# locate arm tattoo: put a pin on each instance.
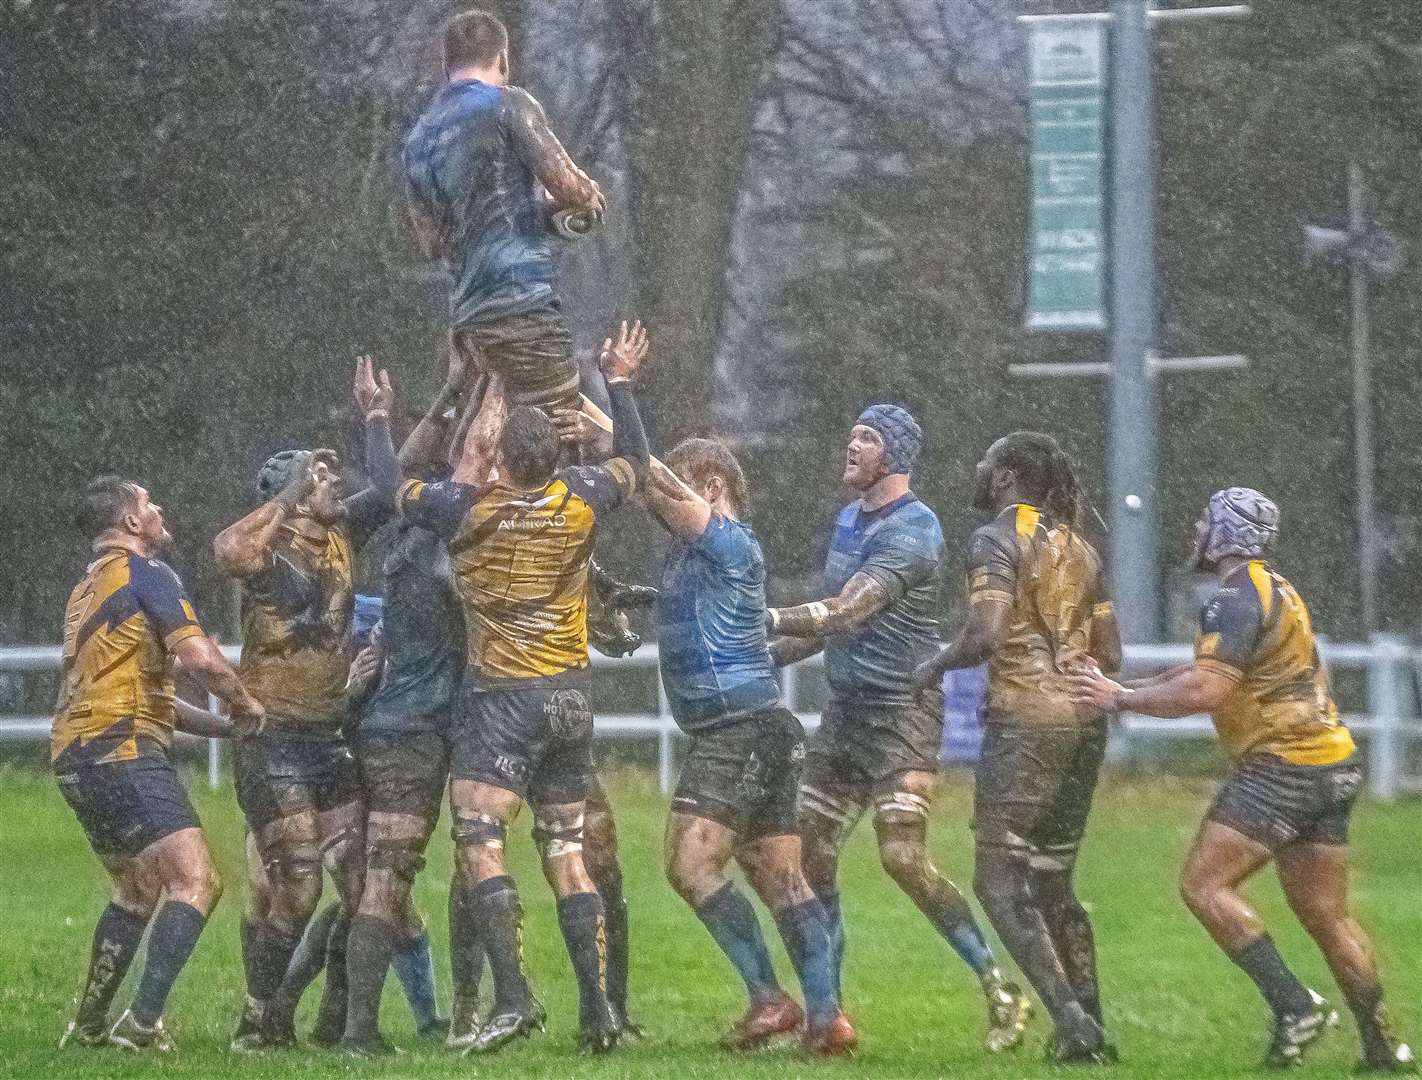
(862, 598)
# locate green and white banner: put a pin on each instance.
(1067, 74)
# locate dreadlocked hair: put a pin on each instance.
(1045, 474)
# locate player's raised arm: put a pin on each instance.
(481, 441)
(535, 143)
(242, 549)
(373, 504)
(426, 445)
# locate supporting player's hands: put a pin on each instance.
(249, 718)
(363, 671)
(622, 358)
(928, 674)
(374, 398)
(576, 428)
(1090, 687)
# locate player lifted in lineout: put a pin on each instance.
(1289, 793)
(879, 740)
(1037, 606)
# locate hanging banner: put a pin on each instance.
(1067, 73)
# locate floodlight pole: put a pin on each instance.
(1131, 514)
(1358, 280)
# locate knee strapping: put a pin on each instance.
(478, 830)
(403, 858)
(555, 838)
(843, 813)
(900, 807)
(293, 864)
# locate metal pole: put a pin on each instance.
(1135, 573)
(214, 751)
(1368, 555)
(1385, 746)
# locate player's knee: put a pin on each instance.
(600, 845)
(137, 894)
(1197, 893)
(692, 878)
(198, 885)
(996, 882)
(904, 860)
(401, 857)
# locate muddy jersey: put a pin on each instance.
(901, 546)
(1052, 580)
(120, 624)
(1256, 632)
(473, 164)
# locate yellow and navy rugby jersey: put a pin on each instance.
(1053, 581)
(119, 625)
(1256, 631)
(296, 628)
(520, 561)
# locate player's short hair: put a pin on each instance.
(529, 444)
(106, 500)
(474, 38)
(701, 459)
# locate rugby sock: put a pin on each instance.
(310, 957)
(1374, 1023)
(116, 938)
(614, 906)
(1006, 893)
(580, 917)
(834, 920)
(498, 920)
(728, 915)
(271, 951)
(331, 1015)
(956, 923)
(804, 928)
(466, 951)
(176, 929)
(1281, 988)
(1071, 932)
(414, 967)
(368, 949)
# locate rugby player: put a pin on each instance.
(296, 783)
(488, 187)
(519, 546)
(401, 742)
(1289, 792)
(125, 622)
(736, 795)
(1037, 606)
(879, 740)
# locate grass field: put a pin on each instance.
(1173, 1004)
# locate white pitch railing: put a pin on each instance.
(1391, 721)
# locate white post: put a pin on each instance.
(1384, 703)
(214, 751)
(664, 738)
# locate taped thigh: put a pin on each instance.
(556, 837)
(403, 856)
(840, 811)
(478, 830)
(337, 847)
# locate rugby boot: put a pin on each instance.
(330, 1025)
(247, 1039)
(129, 1034)
(278, 1030)
(85, 1034)
(762, 1021)
(504, 1027)
(1397, 1059)
(835, 1039)
(1295, 1032)
(1080, 1040)
(373, 1046)
(463, 1024)
(630, 1028)
(1009, 1010)
(599, 1033)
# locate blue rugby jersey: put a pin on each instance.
(715, 662)
(467, 167)
(901, 546)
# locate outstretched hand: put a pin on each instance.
(372, 397)
(1090, 687)
(622, 358)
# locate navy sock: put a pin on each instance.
(414, 967)
(116, 939)
(270, 956)
(368, 948)
(805, 930)
(614, 907)
(498, 919)
(466, 951)
(176, 929)
(1280, 986)
(309, 958)
(728, 915)
(580, 917)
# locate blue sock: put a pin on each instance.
(834, 920)
(968, 942)
(414, 967)
(806, 932)
(731, 920)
